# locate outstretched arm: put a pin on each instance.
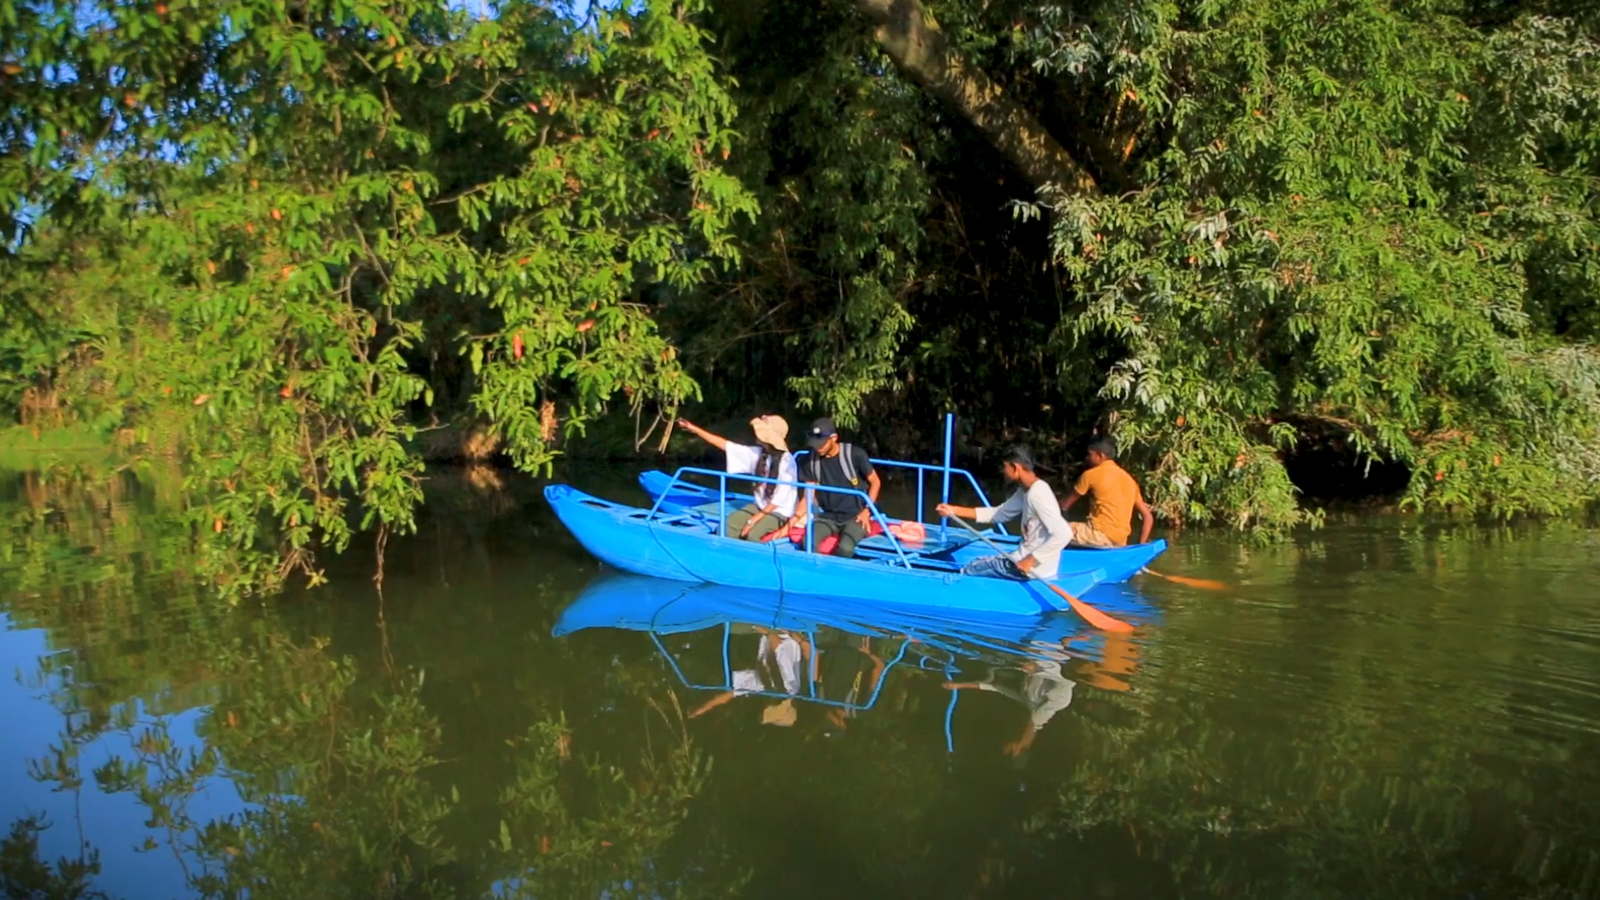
(1072, 498)
(713, 703)
(984, 515)
(717, 441)
(1023, 741)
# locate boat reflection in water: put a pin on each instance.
(837, 655)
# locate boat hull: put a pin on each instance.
(1118, 563)
(686, 548)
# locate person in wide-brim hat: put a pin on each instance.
(769, 458)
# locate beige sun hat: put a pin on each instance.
(780, 714)
(771, 430)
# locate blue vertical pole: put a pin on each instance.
(922, 493)
(944, 495)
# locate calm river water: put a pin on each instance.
(1378, 709)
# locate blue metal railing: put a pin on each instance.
(922, 470)
(810, 544)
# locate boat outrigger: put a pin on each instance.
(683, 541)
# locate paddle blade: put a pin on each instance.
(1204, 584)
(1094, 617)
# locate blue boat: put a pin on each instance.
(681, 538)
(681, 497)
(887, 572)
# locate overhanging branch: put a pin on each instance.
(911, 37)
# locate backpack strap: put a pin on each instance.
(845, 452)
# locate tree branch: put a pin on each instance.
(911, 37)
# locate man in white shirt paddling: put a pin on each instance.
(1044, 531)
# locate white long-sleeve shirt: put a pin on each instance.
(742, 460)
(1044, 533)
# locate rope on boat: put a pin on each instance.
(650, 525)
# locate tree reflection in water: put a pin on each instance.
(337, 763)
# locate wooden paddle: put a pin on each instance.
(1094, 617)
(1204, 584)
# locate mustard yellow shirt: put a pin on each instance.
(1112, 493)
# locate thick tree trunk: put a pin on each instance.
(908, 33)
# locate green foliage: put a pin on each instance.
(277, 225)
(1336, 233)
(1354, 217)
(843, 195)
(288, 239)
(25, 876)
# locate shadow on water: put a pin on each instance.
(1379, 709)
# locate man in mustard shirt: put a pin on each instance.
(1113, 497)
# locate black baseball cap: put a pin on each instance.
(821, 430)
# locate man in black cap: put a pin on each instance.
(834, 464)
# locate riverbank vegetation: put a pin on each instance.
(288, 241)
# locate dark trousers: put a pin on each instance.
(849, 531)
(765, 523)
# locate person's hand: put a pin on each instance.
(863, 517)
(1026, 564)
(745, 531)
(1014, 748)
(685, 424)
(946, 510)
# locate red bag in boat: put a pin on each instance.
(908, 532)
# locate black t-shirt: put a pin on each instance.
(830, 471)
(844, 667)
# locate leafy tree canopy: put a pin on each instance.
(288, 236)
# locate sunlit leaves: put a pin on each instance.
(289, 209)
(1340, 234)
